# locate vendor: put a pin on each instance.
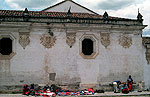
(130, 82)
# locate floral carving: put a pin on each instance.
(71, 39)
(125, 41)
(24, 39)
(105, 39)
(47, 40)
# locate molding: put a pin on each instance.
(95, 44)
(8, 57)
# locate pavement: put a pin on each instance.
(106, 94)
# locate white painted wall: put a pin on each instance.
(112, 63)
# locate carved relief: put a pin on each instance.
(146, 43)
(105, 39)
(47, 40)
(147, 53)
(125, 41)
(145, 40)
(71, 39)
(24, 39)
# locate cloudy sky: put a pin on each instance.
(119, 8)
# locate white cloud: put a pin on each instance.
(131, 11)
(121, 8)
(34, 4)
(146, 35)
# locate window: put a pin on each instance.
(88, 46)
(5, 46)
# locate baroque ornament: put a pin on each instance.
(146, 42)
(47, 40)
(125, 41)
(147, 53)
(24, 39)
(105, 39)
(71, 39)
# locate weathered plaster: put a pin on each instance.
(35, 63)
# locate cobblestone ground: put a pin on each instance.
(111, 94)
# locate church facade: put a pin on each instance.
(68, 44)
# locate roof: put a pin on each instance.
(69, 6)
(62, 17)
(48, 14)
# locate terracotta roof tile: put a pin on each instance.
(53, 14)
(47, 14)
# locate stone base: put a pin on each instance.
(11, 89)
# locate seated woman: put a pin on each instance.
(124, 89)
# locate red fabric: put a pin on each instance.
(67, 93)
(44, 95)
(125, 91)
(91, 90)
(53, 95)
(130, 86)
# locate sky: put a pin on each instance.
(118, 8)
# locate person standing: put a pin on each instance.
(129, 83)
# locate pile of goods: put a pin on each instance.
(53, 90)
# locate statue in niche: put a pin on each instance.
(105, 39)
(71, 39)
(125, 41)
(24, 39)
(48, 40)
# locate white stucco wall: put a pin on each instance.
(33, 64)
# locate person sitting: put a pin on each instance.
(124, 88)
